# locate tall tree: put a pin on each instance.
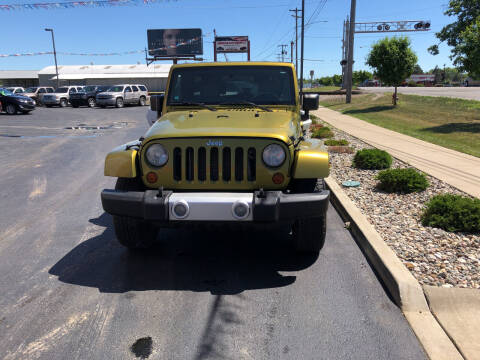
(463, 35)
(417, 69)
(393, 61)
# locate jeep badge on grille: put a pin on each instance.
(214, 143)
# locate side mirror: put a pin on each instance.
(156, 103)
(310, 102)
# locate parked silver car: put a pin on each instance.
(120, 95)
(61, 96)
(37, 92)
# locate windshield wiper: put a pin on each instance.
(186, 103)
(247, 103)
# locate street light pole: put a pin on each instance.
(54, 54)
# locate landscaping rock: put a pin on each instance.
(434, 256)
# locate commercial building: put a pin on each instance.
(153, 76)
(23, 78)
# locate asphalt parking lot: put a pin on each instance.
(469, 93)
(69, 291)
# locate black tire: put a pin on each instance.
(309, 233)
(142, 101)
(119, 103)
(10, 109)
(91, 102)
(63, 102)
(133, 233)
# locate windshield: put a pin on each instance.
(264, 85)
(62, 90)
(5, 92)
(116, 89)
(31, 90)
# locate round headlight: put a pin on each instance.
(273, 155)
(156, 155)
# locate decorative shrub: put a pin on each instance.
(372, 159)
(322, 133)
(314, 119)
(402, 181)
(453, 213)
(333, 142)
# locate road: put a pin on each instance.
(69, 291)
(470, 93)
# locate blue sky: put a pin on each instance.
(268, 23)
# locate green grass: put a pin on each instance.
(323, 89)
(451, 123)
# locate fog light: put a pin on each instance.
(152, 177)
(180, 209)
(278, 178)
(240, 210)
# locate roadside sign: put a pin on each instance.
(231, 44)
(174, 42)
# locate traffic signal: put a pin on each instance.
(422, 25)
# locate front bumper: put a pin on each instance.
(81, 101)
(106, 101)
(49, 101)
(26, 107)
(264, 207)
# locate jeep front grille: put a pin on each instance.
(208, 166)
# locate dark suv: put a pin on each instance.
(87, 96)
(12, 103)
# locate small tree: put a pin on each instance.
(393, 61)
(360, 76)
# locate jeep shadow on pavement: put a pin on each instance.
(221, 262)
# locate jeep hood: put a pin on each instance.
(279, 124)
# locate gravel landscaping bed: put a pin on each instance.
(433, 256)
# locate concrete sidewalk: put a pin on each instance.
(455, 168)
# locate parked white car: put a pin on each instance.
(61, 96)
(120, 95)
(16, 90)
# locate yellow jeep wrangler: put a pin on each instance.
(228, 145)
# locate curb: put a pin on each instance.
(403, 287)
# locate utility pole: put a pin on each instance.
(54, 54)
(291, 52)
(283, 52)
(303, 46)
(344, 52)
(351, 39)
(296, 38)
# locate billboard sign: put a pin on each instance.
(174, 42)
(231, 44)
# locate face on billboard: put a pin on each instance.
(175, 42)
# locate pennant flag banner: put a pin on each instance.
(101, 54)
(76, 4)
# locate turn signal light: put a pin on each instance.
(152, 177)
(278, 178)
